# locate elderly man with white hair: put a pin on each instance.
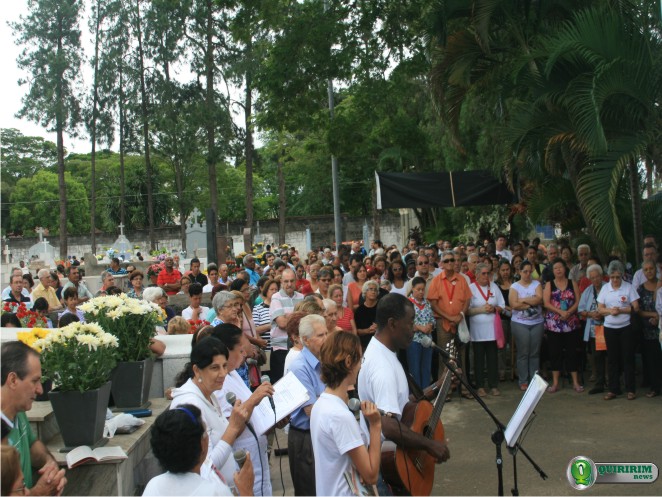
(306, 367)
(45, 290)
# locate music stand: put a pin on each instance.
(522, 419)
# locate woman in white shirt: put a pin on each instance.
(337, 442)
(203, 375)
(486, 302)
(237, 343)
(616, 301)
(180, 442)
(526, 324)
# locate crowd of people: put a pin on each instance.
(356, 323)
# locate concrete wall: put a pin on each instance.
(321, 227)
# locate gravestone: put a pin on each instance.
(196, 234)
(43, 250)
(122, 245)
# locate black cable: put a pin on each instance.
(259, 455)
(280, 459)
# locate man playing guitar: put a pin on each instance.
(383, 381)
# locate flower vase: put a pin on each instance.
(131, 383)
(81, 415)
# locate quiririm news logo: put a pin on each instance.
(583, 473)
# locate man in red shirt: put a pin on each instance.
(169, 278)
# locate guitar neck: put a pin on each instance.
(439, 402)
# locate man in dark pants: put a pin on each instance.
(306, 367)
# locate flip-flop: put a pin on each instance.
(579, 389)
(552, 389)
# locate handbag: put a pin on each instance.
(498, 331)
(463, 330)
(600, 342)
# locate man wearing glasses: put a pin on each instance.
(422, 270)
(449, 296)
(21, 383)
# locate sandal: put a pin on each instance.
(652, 394)
(467, 395)
(631, 396)
(523, 387)
(610, 396)
(482, 392)
(579, 389)
(553, 389)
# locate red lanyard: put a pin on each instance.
(450, 292)
(486, 297)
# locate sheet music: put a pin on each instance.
(289, 395)
(524, 410)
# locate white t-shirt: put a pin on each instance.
(530, 316)
(639, 279)
(208, 288)
(334, 432)
(219, 453)
(188, 312)
(402, 291)
(289, 358)
(382, 381)
(482, 325)
(234, 383)
(184, 484)
(623, 296)
(505, 253)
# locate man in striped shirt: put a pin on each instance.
(282, 304)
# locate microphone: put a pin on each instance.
(251, 362)
(240, 457)
(265, 379)
(355, 406)
(231, 398)
(427, 343)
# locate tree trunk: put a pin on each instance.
(281, 202)
(649, 177)
(59, 127)
(121, 107)
(93, 133)
(143, 107)
(209, 97)
(248, 238)
(635, 195)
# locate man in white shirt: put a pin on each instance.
(7, 291)
(212, 274)
(650, 255)
(502, 248)
(382, 379)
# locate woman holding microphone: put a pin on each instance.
(335, 433)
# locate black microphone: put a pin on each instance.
(355, 406)
(231, 398)
(240, 457)
(427, 343)
(265, 379)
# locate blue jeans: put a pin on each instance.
(419, 360)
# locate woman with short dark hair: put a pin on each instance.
(180, 442)
(136, 280)
(202, 376)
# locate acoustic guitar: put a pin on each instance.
(411, 471)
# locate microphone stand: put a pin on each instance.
(498, 436)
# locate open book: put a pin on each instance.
(521, 416)
(83, 454)
(289, 395)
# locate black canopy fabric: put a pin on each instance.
(445, 189)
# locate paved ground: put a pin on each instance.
(567, 425)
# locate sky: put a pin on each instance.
(11, 93)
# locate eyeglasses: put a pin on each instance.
(421, 263)
(448, 261)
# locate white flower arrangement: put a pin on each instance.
(132, 321)
(79, 356)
